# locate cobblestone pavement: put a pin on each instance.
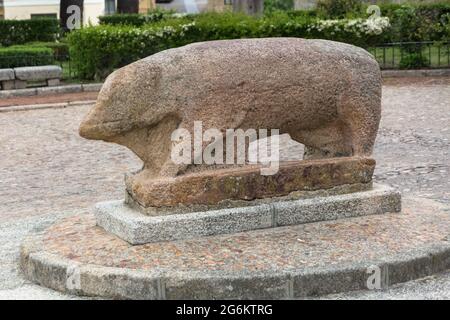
(47, 172)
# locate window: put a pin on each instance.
(110, 6)
(43, 15)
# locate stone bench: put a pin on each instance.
(17, 78)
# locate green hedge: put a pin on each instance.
(60, 49)
(410, 22)
(96, 51)
(136, 20)
(418, 22)
(24, 56)
(14, 32)
(277, 5)
(339, 8)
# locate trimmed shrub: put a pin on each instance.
(277, 5)
(413, 60)
(340, 8)
(24, 56)
(60, 49)
(22, 31)
(419, 23)
(135, 19)
(97, 51)
(131, 19)
(361, 32)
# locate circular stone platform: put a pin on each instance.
(77, 257)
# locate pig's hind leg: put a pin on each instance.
(329, 141)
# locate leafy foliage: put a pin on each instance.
(97, 51)
(22, 31)
(21, 56)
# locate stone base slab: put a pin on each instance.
(210, 187)
(77, 257)
(131, 225)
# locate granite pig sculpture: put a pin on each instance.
(324, 94)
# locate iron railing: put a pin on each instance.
(399, 55)
(412, 55)
(69, 71)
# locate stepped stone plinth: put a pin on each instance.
(78, 257)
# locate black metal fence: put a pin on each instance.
(69, 71)
(400, 55)
(412, 55)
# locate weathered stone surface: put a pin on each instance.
(380, 200)
(325, 94)
(136, 228)
(6, 74)
(38, 73)
(246, 183)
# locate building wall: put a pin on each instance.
(23, 9)
(24, 12)
(217, 6)
(92, 11)
(304, 4)
(2, 12)
(145, 5)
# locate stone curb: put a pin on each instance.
(94, 87)
(71, 88)
(46, 106)
(415, 73)
(121, 283)
(136, 228)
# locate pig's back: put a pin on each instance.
(252, 81)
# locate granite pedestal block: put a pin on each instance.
(118, 218)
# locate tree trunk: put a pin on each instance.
(128, 6)
(67, 18)
(250, 7)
